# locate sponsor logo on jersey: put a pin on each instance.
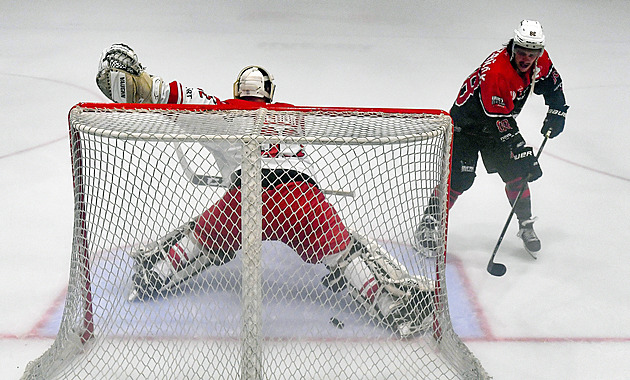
(506, 137)
(468, 169)
(498, 101)
(485, 66)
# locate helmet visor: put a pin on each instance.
(525, 52)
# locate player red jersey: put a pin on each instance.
(494, 94)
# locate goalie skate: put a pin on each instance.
(426, 237)
(155, 275)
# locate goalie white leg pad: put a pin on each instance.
(157, 270)
(383, 286)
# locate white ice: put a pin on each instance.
(563, 316)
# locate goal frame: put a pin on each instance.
(251, 362)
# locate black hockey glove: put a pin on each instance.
(525, 163)
(554, 122)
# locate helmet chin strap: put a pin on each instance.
(535, 71)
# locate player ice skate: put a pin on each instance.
(529, 237)
(484, 115)
(381, 285)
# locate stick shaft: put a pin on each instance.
(520, 193)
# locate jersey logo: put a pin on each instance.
(283, 125)
(503, 125)
(202, 95)
(555, 76)
(498, 101)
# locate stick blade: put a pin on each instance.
(496, 269)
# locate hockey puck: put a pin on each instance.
(337, 323)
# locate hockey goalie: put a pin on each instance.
(295, 210)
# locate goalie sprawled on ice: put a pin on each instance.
(295, 210)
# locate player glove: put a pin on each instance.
(525, 163)
(554, 122)
(122, 78)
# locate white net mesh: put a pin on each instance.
(273, 193)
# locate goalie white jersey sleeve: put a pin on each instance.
(176, 93)
(228, 156)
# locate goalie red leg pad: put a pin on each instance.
(295, 213)
(219, 227)
(298, 214)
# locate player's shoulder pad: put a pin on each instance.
(544, 65)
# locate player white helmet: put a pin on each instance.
(529, 35)
(254, 81)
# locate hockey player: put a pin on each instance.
(484, 115)
(295, 210)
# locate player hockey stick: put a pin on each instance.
(215, 180)
(498, 269)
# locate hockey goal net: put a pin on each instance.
(141, 172)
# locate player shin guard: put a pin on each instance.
(523, 207)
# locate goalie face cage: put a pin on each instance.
(142, 171)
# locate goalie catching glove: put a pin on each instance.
(122, 78)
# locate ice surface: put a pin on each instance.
(563, 316)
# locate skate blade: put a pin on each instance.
(429, 253)
(531, 253)
(133, 295)
(408, 330)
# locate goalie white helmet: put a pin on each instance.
(529, 35)
(254, 81)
